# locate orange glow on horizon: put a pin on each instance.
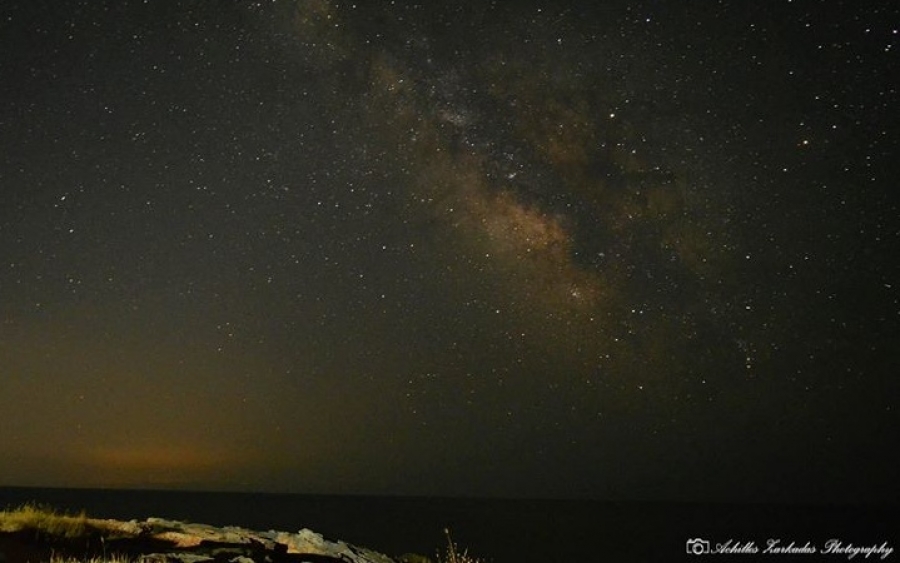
(160, 465)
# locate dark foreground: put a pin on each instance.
(516, 531)
(162, 541)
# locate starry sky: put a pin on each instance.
(613, 250)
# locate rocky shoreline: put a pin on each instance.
(157, 540)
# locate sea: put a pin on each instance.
(519, 530)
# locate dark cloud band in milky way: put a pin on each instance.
(522, 161)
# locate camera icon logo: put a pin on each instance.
(697, 546)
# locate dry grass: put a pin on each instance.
(110, 559)
(454, 555)
(49, 522)
(45, 520)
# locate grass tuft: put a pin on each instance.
(453, 554)
(43, 519)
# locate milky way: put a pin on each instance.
(622, 251)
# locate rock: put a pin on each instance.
(250, 546)
(157, 540)
(176, 558)
(307, 541)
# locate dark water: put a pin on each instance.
(503, 531)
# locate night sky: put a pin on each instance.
(612, 250)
